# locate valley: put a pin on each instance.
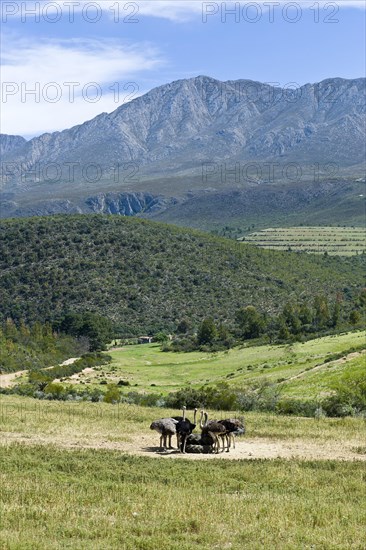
(300, 370)
(182, 276)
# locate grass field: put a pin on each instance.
(299, 369)
(89, 475)
(340, 241)
(58, 493)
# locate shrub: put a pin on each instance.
(54, 391)
(296, 407)
(112, 394)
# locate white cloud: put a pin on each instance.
(29, 65)
(132, 11)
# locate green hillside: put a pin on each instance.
(147, 276)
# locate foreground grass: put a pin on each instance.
(146, 368)
(54, 498)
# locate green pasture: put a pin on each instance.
(147, 369)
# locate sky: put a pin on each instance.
(64, 62)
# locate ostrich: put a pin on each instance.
(184, 429)
(233, 427)
(175, 425)
(213, 428)
(166, 427)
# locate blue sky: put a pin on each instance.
(154, 42)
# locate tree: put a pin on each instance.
(362, 298)
(207, 332)
(183, 327)
(224, 336)
(354, 317)
(112, 394)
(283, 331)
(321, 317)
(291, 317)
(251, 323)
(161, 337)
(10, 329)
(98, 329)
(336, 314)
(305, 315)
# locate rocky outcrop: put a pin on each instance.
(10, 144)
(123, 204)
(127, 204)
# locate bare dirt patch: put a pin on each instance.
(145, 444)
(7, 380)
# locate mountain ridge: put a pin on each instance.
(176, 130)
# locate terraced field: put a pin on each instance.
(337, 241)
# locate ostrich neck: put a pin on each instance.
(201, 421)
(206, 419)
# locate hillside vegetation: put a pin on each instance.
(147, 276)
(35, 347)
(314, 363)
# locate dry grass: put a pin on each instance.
(58, 498)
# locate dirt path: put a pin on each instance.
(9, 379)
(340, 361)
(68, 362)
(246, 448)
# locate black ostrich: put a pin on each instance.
(233, 427)
(184, 429)
(214, 428)
(174, 425)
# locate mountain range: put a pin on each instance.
(201, 152)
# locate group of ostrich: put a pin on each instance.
(213, 433)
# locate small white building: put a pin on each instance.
(145, 339)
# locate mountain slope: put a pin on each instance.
(188, 136)
(202, 118)
(148, 276)
(11, 144)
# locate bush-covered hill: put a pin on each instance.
(148, 276)
(35, 347)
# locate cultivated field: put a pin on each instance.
(87, 475)
(340, 241)
(300, 369)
